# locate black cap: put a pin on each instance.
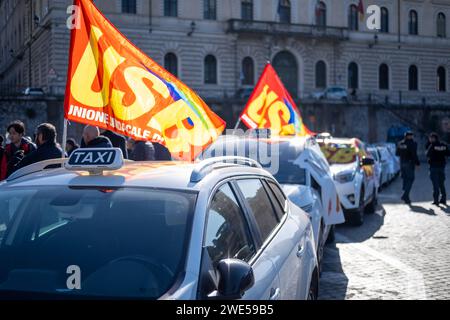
(409, 133)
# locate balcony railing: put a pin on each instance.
(287, 29)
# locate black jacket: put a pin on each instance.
(99, 142)
(117, 141)
(407, 151)
(48, 150)
(161, 152)
(437, 154)
(143, 151)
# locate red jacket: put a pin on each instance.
(7, 156)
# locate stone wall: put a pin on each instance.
(368, 122)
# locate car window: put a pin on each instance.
(279, 196)
(227, 232)
(105, 232)
(259, 202)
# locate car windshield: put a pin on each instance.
(93, 243)
(339, 153)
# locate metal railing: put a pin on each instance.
(290, 29)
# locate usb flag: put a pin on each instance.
(114, 85)
(271, 107)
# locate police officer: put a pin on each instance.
(407, 151)
(437, 154)
(47, 147)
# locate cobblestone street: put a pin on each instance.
(401, 252)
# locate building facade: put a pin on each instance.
(219, 47)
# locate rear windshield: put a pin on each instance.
(339, 153)
(116, 243)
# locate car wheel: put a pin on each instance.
(357, 219)
(372, 206)
(313, 293)
(331, 236)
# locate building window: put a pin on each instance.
(441, 25)
(321, 75)
(441, 79)
(129, 6)
(353, 76)
(170, 8)
(413, 24)
(413, 78)
(210, 9)
(383, 77)
(286, 66)
(210, 69)
(248, 71)
(321, 14)
(353, 18)
(284, 11)
(247, 9)
(171, 63)
(384, 20)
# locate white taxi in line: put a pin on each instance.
(354, 176)
(96, 227)
(300, 167)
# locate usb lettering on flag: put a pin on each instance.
(271, 107)
(113, 85)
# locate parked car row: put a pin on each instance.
(248, 220)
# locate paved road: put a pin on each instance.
(401, 252)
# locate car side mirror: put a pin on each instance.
(367, 161)
(235, 278)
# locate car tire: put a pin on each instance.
(357, 218)
(331, 236)
(372, 206)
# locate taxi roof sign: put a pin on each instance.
(95, 160)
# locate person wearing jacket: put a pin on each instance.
(407, 151)
(93, 139)
(437, 154)
(47, 147)
(117, 141)
(142, 151)
(15, 150)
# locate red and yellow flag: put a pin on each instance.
(113, 85)
(271, 107)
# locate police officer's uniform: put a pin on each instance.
(407, 151)
(437, 154)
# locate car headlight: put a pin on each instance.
(345, 177)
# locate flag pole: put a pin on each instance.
(237, 125)
(64, 139)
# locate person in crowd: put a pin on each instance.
(437, 153)
(47, 147)
(93, 139)
(71, 146)
(130, 144)
(407, 151)
(18, 148)
(142, 151)
(161, 152)
(2, 153)
(117, 141)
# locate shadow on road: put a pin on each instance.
(420, 209)
(333, 281)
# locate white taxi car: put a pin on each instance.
(302, 170)
(354, 176)
(96, 227)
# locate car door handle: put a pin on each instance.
(301, 251)
(275, 294)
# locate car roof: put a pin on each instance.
(339, 140)
(164, 175)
